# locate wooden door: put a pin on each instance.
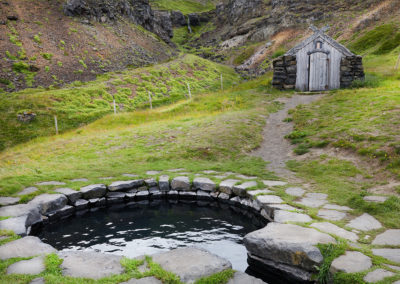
(318, 72)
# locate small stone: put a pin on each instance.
(254, 193)
(365, 222)
(106, 178)
(176, 170)
(130, 175)
(203, 195)
(163, 183)
(31, 267)
(295, 191)
(241, 189)
(376, 199)
(337, 207)
(25, 247)
(187, 195)
(93, 191)
(214, 194)
(28, 190)
(71, 194)
(335, 230)
(126, 185)
(282, 216)
(269, 199)
(49, 202)
(351, 262)
(391, 254)
(227, 185)
(389, 237)
(332, 215)
(209, 172)
(245, 177)
(274, 183)
(204, 184)
(223, 196)
(79, 180)
(181, 183)
(142, 195)
(377, 275)
(151, 182)
(271, 208)
(152, 173)
(81, 204)
(51, 183)
(173, 193)
(4, 201)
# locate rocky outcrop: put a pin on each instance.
(137, 11)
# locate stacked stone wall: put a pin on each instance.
(285, 70)
(351, 69)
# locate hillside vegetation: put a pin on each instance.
(185, 6)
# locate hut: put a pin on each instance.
(319, 63)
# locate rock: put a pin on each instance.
(351, 262)
(388, 253)
(178, 19)
(312, 202)
(71, 194)
(287, 244)
(226, 186)
(208, 172)
(243, 278)
(223, 196)
(4, 201)
(282, 216)
(16, 224)
(393, 267)
(365, 223)
(274, 183)
(81, 204)
(188, 195)
(151, 182)
(51, 183)
(93, 191)
(245, 177)
(389, 237)
(125, 185)
(319, 196)
(180, 183)
(29, 212)
(129, 175)
(79, 180)
(12, 18)
(332, 215)
(67, 210)
(376, 199)
(204, 184)
(335, 230)
(145, 280)
(49, 202)
(28, 190)
(203, 195)
(163, 183)
(337, 207)
(253, 193)
(142, 195)
(31, 267)
(152, 173)
(377, 275)
(176, 170)
(106, 178)
(268, 199)
(39, 280)
(241, 189)
(295, 191)
(25, 247)
(90, 264)
(270, 209)
(191, 263)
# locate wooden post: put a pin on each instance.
(398, 63)
(222, 83)
(151, 104)
(190, 93)
(115, 107)
(56, 124)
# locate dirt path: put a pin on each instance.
(275, 149)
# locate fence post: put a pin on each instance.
(56, 124)
(151, 104)
(222, 82)
(398, 63)
(115, 107)
(190, 93)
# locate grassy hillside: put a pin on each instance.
(81, 103)
(185, 6)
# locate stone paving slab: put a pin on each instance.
(243, 278)
(389, 237)
(191, 263)
(25, 247)
(269, 199)
(351, 262)
(32, 267)
(241, 189)
(226, 186)
(377, 275)
(4, 201)
(365, 222)
(312, 202)
(204, 184)
(28, 190)
(274, 183)
(71, 194)
(43, 183)
(295, 191)
(315, 195)
(90, 264)
(337, 207)
(49, 202)
(253, 193)
(152, 173)
(145, 280)
(375, 198)
(79, 180)
(332, 215)
(282, 216)
(39, 280)
(388, 253)
(16, 224)
(333, 229)
(180, 183)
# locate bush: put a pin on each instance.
(20, 67)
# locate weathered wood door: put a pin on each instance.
(318, 72)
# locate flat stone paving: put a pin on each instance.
(377, 275)
(332, 215)
(365, 222)
(145, 280)
(295, 191)
(389, 237)
(282, 216)
(4, 201)
(28, 190)
(388, 253)
(243, 278)
(351, 262)
(32, 266)
(335, 230)
(25, 247)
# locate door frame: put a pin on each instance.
(327, 52)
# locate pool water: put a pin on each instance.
(148, 228)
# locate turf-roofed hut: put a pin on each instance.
(318, 63)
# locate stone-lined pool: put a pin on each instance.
(147, 228)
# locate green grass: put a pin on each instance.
(218, 278)
(244, 55)
(82, 103)
(185, 6)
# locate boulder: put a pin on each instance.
(241, 189)
(71, 194)
(204, 184)
(125, 185)
(90, 264)
(93, 191)
(389, 237)
(191, 263)
(203, 195)
(49, 202)
(288, 244)
(351, 262)
(163, 183)
(365, 222)
(25, 247)
(226, 186)
(178, 19)
(32, 266)
(4, 201)
(180, 183)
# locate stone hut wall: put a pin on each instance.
(351, 69)
(285, 70)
